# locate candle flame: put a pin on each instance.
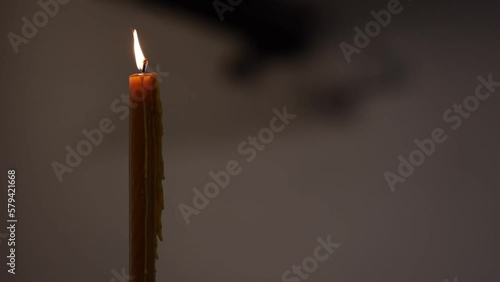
(139, 56)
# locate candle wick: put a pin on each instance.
(144, 65)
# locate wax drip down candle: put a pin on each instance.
(145, 170)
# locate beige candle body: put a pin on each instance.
(146, 175)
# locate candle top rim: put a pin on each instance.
(144, 74)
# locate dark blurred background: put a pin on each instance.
(323, 175)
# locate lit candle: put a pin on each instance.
(146, 170)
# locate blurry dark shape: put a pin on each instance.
(271, 28)
(342, 97)
(339, 101)
(283, 30)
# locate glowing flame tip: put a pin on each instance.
(139, 56)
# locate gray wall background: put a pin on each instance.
(323, 175)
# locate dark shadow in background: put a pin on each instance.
(270, 28)
(274, 31)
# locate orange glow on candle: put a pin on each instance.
(146, 169)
